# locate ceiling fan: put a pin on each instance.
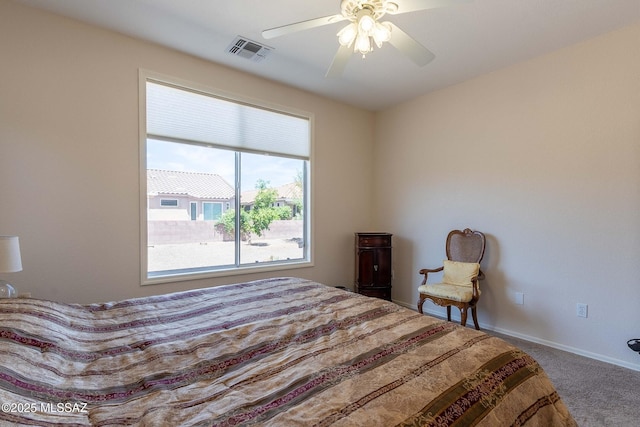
(365, 29)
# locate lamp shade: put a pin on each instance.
(10, 260)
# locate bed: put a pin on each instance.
(277, 352)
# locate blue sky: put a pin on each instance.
(191, 158)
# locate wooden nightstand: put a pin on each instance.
(373, 265)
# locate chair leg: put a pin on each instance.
(420, 303)
(475, 317)
(449, 313)
(463, 316)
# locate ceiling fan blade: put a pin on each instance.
(303, 25)
(339, 62)
(405, 6)
(410, 47)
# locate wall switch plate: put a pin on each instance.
(518, 298)
(581, 309)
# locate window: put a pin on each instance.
(211, 211)
(193, 210)
(169, 202)
(246, 166)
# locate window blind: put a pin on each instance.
(187, 115)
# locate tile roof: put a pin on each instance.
(289, 192)
(195, 184)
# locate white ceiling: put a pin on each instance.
(468, 39)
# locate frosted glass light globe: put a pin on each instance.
(7, 291)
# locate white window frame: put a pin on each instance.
(306, 262)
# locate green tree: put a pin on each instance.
(262, 214)
(228, 221)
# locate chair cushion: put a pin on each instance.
(460, 273)
(452, 292)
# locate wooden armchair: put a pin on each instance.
(459, 286)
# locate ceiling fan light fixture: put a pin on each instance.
(348, 34)
(365, 29)
(363, 44)
(381, 33)
(366, 24)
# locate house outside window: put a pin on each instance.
(208, 157)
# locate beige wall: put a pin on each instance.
(69, 157)
(544, 157)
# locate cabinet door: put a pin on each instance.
(383, 270)
(366, 262)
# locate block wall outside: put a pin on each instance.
(178, 232)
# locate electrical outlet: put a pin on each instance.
(518, 298)
(581, 309)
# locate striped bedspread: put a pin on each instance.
(279, 352)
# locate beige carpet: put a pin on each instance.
(598, 394)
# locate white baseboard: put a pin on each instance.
(552, 344)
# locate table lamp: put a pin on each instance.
(10, 262)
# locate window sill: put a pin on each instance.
(225, 272)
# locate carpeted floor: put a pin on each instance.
(598, 394)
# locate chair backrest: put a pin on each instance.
(465, 246)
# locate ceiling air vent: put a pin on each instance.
(249, 49)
